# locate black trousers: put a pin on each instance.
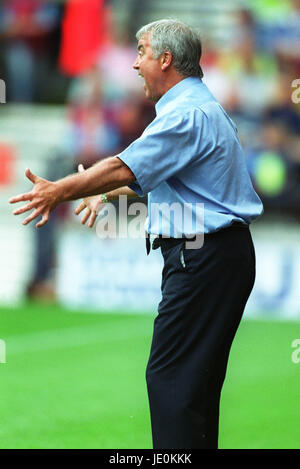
(204, 293)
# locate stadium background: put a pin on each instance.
(76, 311)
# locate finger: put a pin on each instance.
(20, 198)
(80, 168)
(92, 219)
(79, 208)
(32, 177)
(23, 209)
(86, 216)
(43, 221)
(31, 217)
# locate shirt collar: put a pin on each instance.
(176, 91)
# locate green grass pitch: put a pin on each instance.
(78, 381)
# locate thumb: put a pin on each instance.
(80, 168)
(32, 177)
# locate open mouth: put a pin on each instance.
(141, 76)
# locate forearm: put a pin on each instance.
(104, 177)
(115, 194)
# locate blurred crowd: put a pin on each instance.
(252, 75)
(253, 78)
(29, 34)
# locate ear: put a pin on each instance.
(166, 60)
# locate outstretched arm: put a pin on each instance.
(106, 176)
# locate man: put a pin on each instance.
(189, 154)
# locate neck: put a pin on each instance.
(170, 81)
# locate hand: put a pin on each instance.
(92, 204)
(43, 198)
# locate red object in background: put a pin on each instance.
(85, 30)
(7, 164)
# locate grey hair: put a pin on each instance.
(181, 40)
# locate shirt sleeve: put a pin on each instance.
(169, 144)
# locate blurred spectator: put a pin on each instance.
(134, 115)
(283, 109)
(115, 67)
(284, 34)
(280, 34)
(26, 27)
(215, 77)
(92, 136)
(273, 167)
(124, 95)
(253, 76)
(287, 42)
(86, 29)
(107, 110)
(42, 284)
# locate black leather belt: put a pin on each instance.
(160, 240)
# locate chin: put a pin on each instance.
(151, 96)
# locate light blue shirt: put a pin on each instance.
(190, 160)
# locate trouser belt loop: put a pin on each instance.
(148, 244)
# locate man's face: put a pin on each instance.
(149, 68)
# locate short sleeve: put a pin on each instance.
(169, 143)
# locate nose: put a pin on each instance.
(136, 64)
